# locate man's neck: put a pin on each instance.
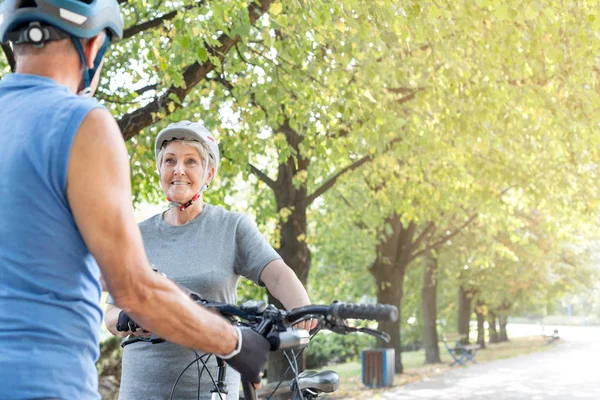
(63, 70)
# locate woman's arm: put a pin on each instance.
(285, 286)
(111, 317)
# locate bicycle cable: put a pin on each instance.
(205, 367)
(199, 372)
(295, 371)
(289, 367)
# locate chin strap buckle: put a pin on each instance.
(187, 204)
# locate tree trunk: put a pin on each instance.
(429, 300)
(298, 257)
(389, 268)
(464, 314)
(503, 320)
(292, 247)
(390, 292)
(480, 312)
(492, 320)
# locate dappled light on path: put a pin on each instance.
(566, 371)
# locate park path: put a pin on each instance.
(569, 370)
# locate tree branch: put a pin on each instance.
(10, 57)
(409, 94)
(147, 88)
(133, 30)
(331, 181)
(360, 223)
(428, 229)
(132, 123)
(447, 237)
(263, 177)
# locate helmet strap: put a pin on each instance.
(186, 204)
(88, 74)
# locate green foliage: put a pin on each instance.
(330, 348)
(481, 108)
(247, 290)
(109, 362)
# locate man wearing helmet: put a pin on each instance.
(205, 248)
(66, 216)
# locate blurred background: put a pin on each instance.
(439, 156)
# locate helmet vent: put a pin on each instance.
(27, 4)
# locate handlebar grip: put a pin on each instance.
(376, 312)
(122, 328)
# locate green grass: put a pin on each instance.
(410, 359)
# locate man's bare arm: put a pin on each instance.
(99, 193)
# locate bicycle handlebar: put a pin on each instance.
(375, 312)
(275, 324)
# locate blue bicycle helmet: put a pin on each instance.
(39, 21)
(79, 18)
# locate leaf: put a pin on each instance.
(201, 54)
(275, 9)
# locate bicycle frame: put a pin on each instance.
(247, 387)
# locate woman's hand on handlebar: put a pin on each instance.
(308, 325)
(126, 324)
(140, 332)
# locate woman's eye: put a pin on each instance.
(191, 161)
(169, 161)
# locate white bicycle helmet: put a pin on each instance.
(187, 130)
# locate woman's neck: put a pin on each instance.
(175, 217)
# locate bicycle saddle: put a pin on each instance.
(325, 381)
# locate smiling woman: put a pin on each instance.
(184, 173)
(204, 248)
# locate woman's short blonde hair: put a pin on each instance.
(201, 148)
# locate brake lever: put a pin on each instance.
(336, 325)
(340, 327)
(378, 334)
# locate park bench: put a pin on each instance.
(552, 338)
(461, 353)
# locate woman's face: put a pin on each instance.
(181, 172)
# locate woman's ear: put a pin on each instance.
(211, 175)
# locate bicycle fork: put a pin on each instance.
(219, 391)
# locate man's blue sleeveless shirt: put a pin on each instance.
(49, 282)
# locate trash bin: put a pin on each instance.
(378, 367)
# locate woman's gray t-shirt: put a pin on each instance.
(207, 255)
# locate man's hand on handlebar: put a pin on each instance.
(250, 357)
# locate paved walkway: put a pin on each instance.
(567, 371)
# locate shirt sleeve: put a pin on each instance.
(253, 252)
(110, 300)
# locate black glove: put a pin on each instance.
(251, 359)
(126, 324)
